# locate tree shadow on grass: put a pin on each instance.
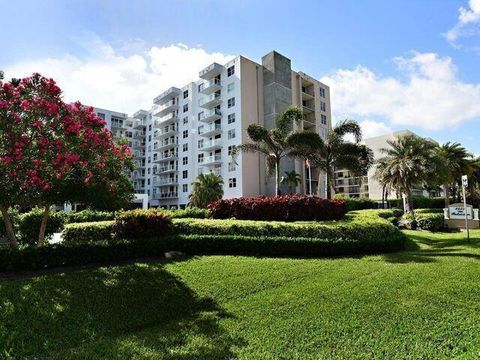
(139, 310)
(433, 249)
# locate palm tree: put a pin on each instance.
(206, 189)
(274, 144)
(335, 151)
(408, 161)
(292, 179)
(453, 161)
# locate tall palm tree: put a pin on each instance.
(274, 144)
(407, 162)
(453, 161)
(292, 179)
(335, 151)
(206, 189)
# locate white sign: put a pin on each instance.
(457, 211)
(464, 181)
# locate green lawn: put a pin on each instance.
(423, 303)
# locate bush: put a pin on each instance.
(362, 226)
(135, 224)
(29, 225)
(420, 202)
(190, 212)
(278, 208)
(82, 233)
(357, 203)
(88, 216)
(428, 211)
(430, 222)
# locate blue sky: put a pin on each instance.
(391, 64)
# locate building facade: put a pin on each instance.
(192, 129)
(367, 186)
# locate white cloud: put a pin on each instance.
(372, 128)
(468, 22)
(125, 83)
(431, 96)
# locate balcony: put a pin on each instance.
(141, 115)
(310, 118)
(165, 144)
(166, 95)
(167, 157)
(165, 181)
(210, 145)
(211, 160)
(138, 176)
(210, 115)
(118, 125)
(166, 195)
(167, 119)
(138, 145)
(211, 86)
(139, 134)
(139, 165)
(160, 110)
(211, 129)
(167, 169)
(139, 154)
(210, 71)
(308, 107)
(210, 101)
(166, 131)
(217, 171)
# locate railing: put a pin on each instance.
(208, 128)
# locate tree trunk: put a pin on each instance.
(319, 188)
(12, 239)
(277, 178)
(383, 196)
(43, 226)
(446, 191)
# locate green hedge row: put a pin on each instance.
(420, 202)
(83, 233)
(51, 256)
(357, 203)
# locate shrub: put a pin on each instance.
(29, 225)
(357, 203)
(82, 233)
(190, 212)
(134, 224)
(428, 211)
(420, 202)
(89, 216)
(362, 225)
(430, 222)
(279, 208)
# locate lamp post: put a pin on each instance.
(464, 186)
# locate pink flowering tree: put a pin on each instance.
(52, 152)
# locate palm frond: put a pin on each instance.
(348, 126)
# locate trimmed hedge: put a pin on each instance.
(29, 225)
(430, 222)
(278, 208)
(363, 225)
(428, 211)
(357, 203)
(190, 212)
(83, 233)
(88, 216)
(420, 202)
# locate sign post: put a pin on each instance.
(464, 186)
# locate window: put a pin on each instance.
(148, 181)
(322, 92)
(185, 94)
(323, 106)
(230, 87)
(323, 119)
(232, 166)
(185, 134)
(230, 149)
(324, 133)
(185, 108)
(185, 147)
(231, 134)
(185, 160)
(185, 174)
(185, 120)
(232, 182)
(231, 102)
(200, 115)
(185, 187)
(231, 118)
(200, 87)
(200, 143)
(231, 70)
(102, 115)
(200, 158)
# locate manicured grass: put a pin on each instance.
(422, 303)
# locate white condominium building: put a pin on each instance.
(192, 129)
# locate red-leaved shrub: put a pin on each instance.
(279, 208)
